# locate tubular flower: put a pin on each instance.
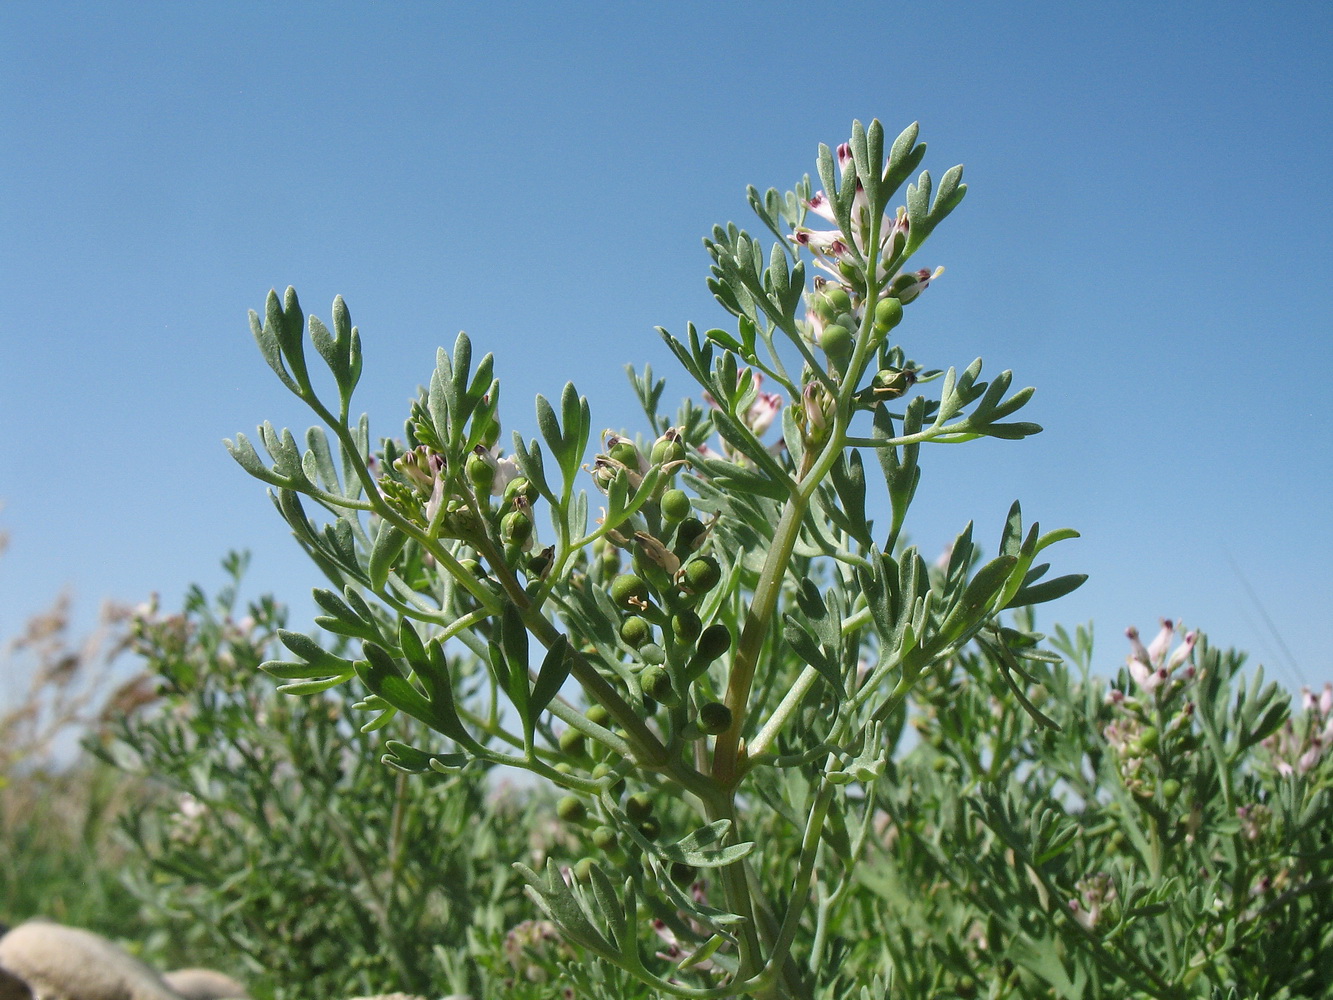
(1302, 743)
(832, 247)
(1151, 667)
(759, 417)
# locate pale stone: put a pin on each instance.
(66, 963)
(204, 984)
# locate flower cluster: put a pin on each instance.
(1095, 894)
(1299, 745)
(840, 255)
(1154, 700)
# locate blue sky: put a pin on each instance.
(1145, 240)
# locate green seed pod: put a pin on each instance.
(636, 631)
(603, 770)
(583, 870)
(604, 839)
(649, 706)
(681, 873)
(675, 505)
(628, 590)
(516, 527)
(714, 717)
(888, 314)
(838, 299)
(1170, 790)
(626, 453)
(480, 473)
(572, 742)
(541, 562)
(688, 533)
(714, 641)
(571, 809)
(702, 574)
(1149, 738)
(473, 567)
(650, 828)
(838, 343)
(563, 768)
(652, 653)
(638, 807)
(686, 626)
(598, 714)
(667, 449)
(656, 683)
(519, 487)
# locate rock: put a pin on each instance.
(66, 963)
(204, 984)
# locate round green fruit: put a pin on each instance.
(714, 717)
(639, 806)
(571, 809)
(837, 342)
(636, 631)
(686, 626)
(516, 527)
(628, 589)
(888, 314)
(572, 742)
(675, 505)
(656, 683)
(702, 574)
(713, 642)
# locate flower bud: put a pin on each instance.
(714, 717)
(1170, 790)
(652, 653)
(702, 575)
(604, 839)
(636, 631)
(681, 873)
(1149, 738)
(597, 714)
(675, 505)
(583, 870)
(571, 809)
(629, 590)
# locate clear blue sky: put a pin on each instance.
(1146, 240)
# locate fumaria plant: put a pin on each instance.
(722, 641)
